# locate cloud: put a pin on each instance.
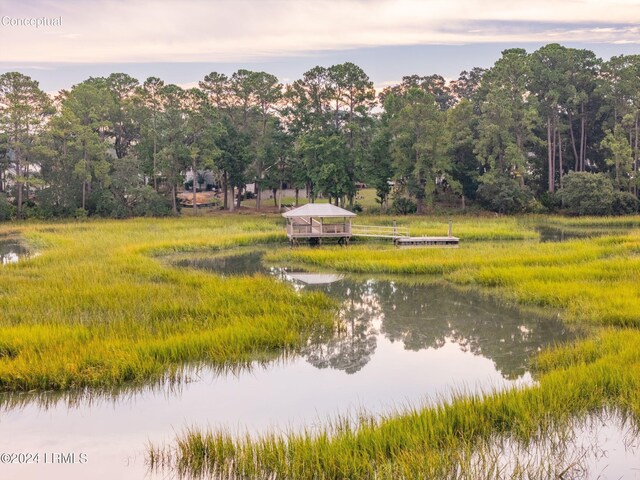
(245, 30)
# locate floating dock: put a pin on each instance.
(427, 241)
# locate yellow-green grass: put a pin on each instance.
(95, 308)
(466, 228)
(592, 282)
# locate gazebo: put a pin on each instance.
(316, 221)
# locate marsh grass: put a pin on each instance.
(98, 309)
(590, 282)
(95, 309)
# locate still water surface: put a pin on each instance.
(403, 344)
(11, 250)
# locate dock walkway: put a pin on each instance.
(401, 236)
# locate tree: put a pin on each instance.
(467, 84)
(462, 132)
(203, 128)
(619, 86)
(620, 158)
(124, 129)
(24, 108)
(434, 85)
(564, 80)
(174, 156)
(508, 116)
(147, 110)
(328, 110)
(417, 143)
(378, 169)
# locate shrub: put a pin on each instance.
(503, 194)
(586, 193)
(551, 201)
(149, 203)
(7, 211)
(625, 203)
(81, 214)
(52, 204)
(103, 203)
(403, 206)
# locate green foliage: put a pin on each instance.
(503, 194)
(417, 146)
(620, 157)
(551, 201)
(586, 193)
(532, 117)
(149, 203)
(624, 203)
(403, 206)
(81, 214)
(7, 211)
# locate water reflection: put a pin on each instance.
(11, 250)
(419, 316)
(563, 233)
(603, 445)
(428, 316)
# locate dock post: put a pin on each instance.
(450, 230)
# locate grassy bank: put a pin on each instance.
(593, 282)
(94, 308)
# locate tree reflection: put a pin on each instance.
(421, 316)
(355, 343)
(429, 316)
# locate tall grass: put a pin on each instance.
(96, 309)
(594, 282)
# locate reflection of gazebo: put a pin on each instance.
(314, 278)
(316, 221)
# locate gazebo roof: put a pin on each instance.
(318, 210)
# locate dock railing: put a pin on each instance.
(379, 231)
(317, 229)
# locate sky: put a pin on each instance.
(60, 43)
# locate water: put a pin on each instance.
(11, 250)
(561, 234)
(603, 446)
(401, 344)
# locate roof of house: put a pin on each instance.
(318, 210)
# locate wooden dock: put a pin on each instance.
(401, 236)
(427, 241)
(379, 231)
(316, 222)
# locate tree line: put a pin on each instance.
(556, 128)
